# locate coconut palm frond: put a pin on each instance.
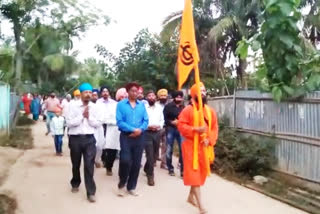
(170, 28)
(307, 45)
(217, 31)
(305, 3)
(172, 16)
(242, 28)
(312, 20)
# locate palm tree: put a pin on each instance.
(238, 19)
(217, 36)
(311, 26)
(203, 18)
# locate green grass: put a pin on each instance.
(20, 138)
(23, 120)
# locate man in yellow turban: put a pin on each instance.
(76, 94)
(162, 95)
(197, 148)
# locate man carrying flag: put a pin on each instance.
(197, 148)
(208, 133)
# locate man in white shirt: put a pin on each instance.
(65, 104)
(105, 104)
(152, 135)
(95, 95)
(82, 120)
(105, 101)
(100, 138)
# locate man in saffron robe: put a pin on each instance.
(197, 167)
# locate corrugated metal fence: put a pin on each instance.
(295, 124)
(8, 108)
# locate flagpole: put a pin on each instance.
(200, 102)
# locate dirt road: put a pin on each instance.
(40, 182)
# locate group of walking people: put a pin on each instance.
(32, 104)
(101, 128)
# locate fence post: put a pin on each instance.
(234, 108)
(8, 109)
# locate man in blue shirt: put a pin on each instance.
(132, 120)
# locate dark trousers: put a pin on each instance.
(104, 151)
(83, 146)
(152, 142)
(58, 143)
(130, 160)
(110, 157)
(172, 135)
(104, 129)
(163, 144)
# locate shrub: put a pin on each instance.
(24, 120)
(238, 153)
(20, 138)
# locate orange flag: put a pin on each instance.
(188, 55)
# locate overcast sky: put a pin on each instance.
(128, 18)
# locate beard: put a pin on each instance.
(204, 100)
(151, 102)
(163, 101)
(178, 102)
(86, 99)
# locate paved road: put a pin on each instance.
(40, 182)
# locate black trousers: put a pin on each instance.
(104, 151)
(83, 145)
(130, 160)
(104, 129)
(110, 157)
(152, 143)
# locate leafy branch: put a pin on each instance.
(290, 68)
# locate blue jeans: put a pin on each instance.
(130, 160)
(58, 143)
(50, 115)
(173, 134)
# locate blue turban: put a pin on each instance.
(95, 90)
(85, 87)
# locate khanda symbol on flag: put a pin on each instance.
(188, 56)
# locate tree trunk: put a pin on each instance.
(241, 72)
(19, 55)
(223, 91)
(313, 36)
(19, 69)
(46, 74)
(39, 79)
